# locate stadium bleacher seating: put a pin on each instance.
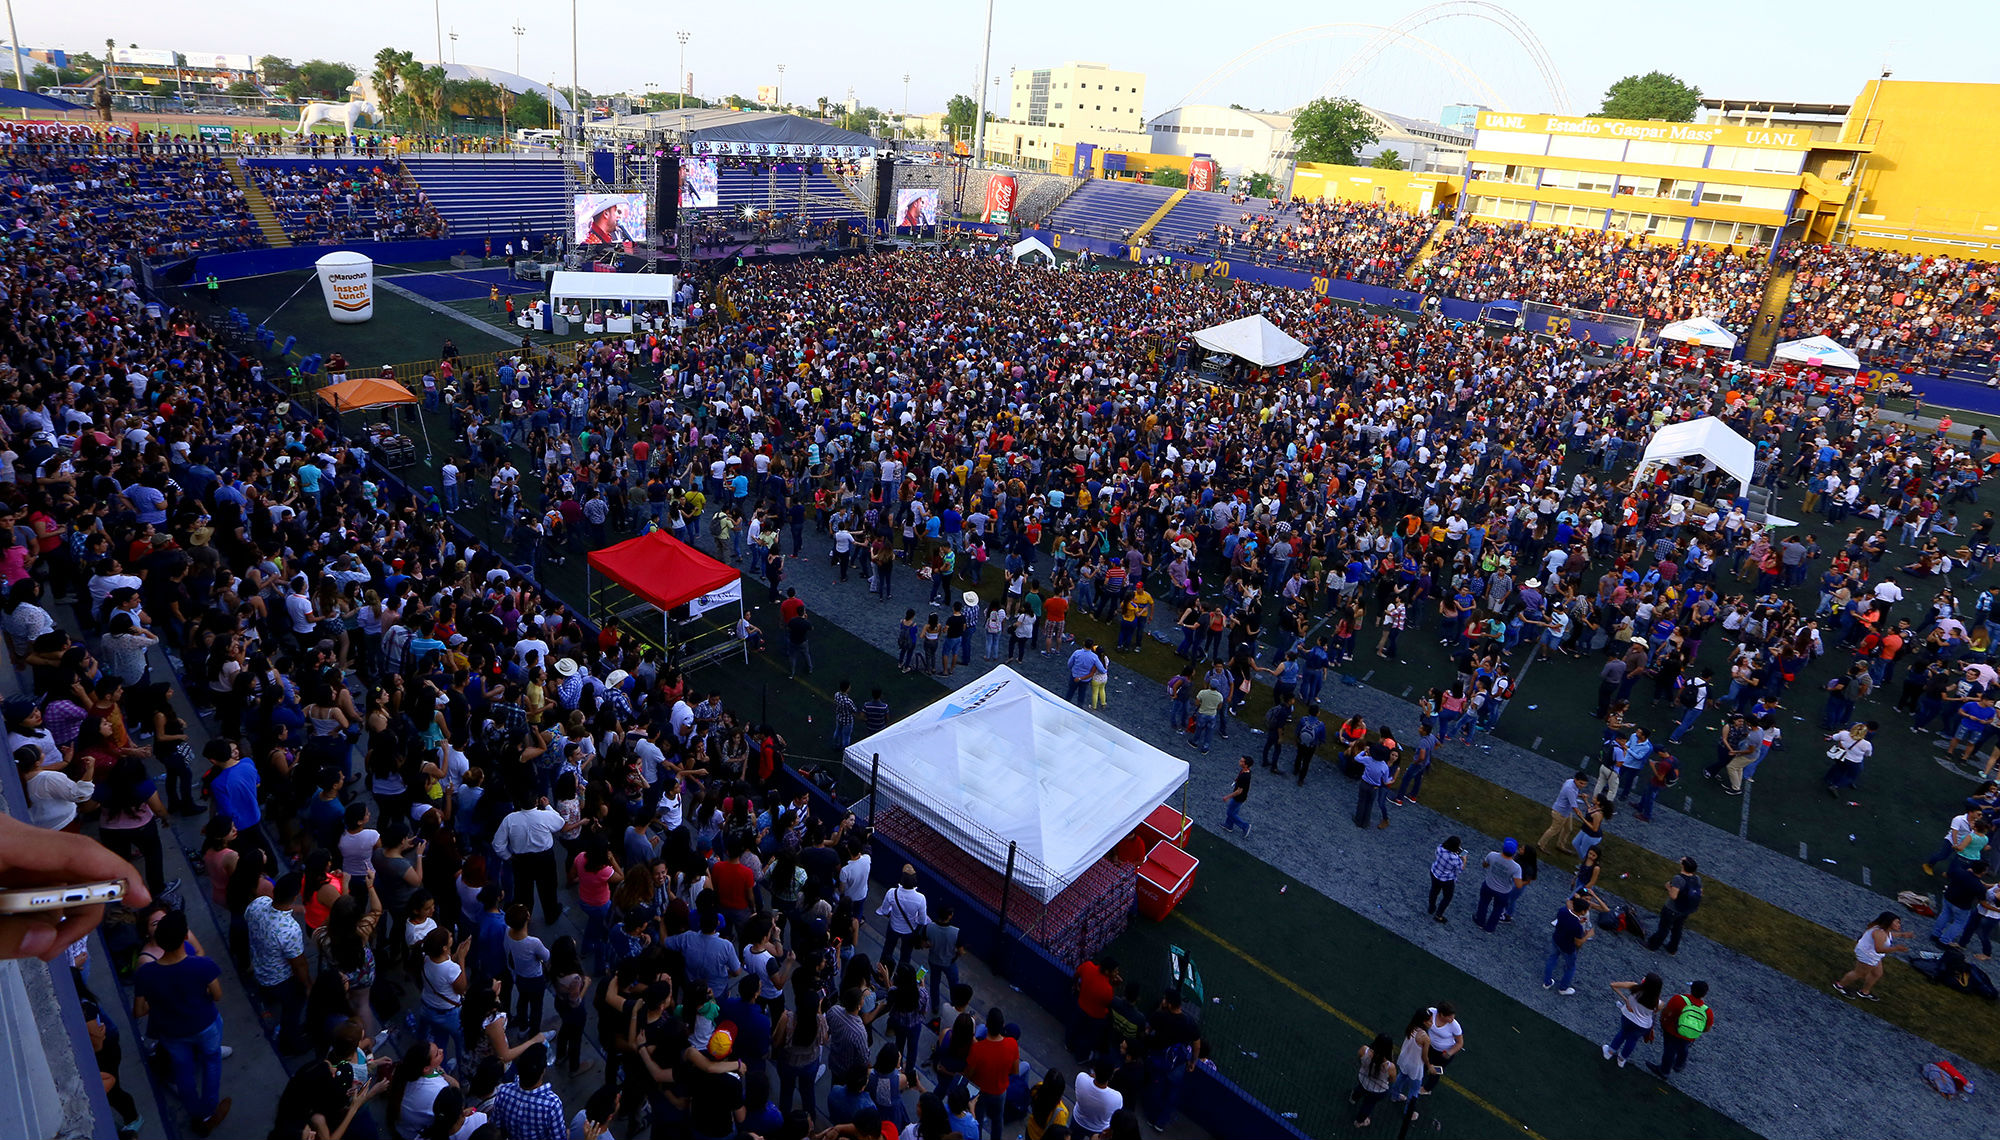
(1191, 223)
(1108, 209)
(325, 201)
(1898, 311)
(487, 194)
(164, 205)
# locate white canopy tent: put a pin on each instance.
(1027, 246)
(1701, 331)
(1821, 350)
(1708, 439)
(1254, 339)
(567, 285)
(1005, 760)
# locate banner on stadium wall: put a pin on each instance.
(1202, 174)
(212, 132)
(1081, 169)
(999, 199)
(348, 281)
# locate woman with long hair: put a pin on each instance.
(800, 1038)
(570, 985)
(1639, 1003)
(344, 946)
(414, 1088)
(131, 807)
(1874, 946)
(1371, 1082)
(1046, 1109)
(1411, 1059)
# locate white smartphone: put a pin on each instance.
(28, 900)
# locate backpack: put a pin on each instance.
(1946, 1079)
(1690, 694)
(1693, 1022)
(1690, 896)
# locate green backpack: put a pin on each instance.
(1693, 1021)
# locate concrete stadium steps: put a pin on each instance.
(1193, 219)
(1166, 208)
(1424, 251)
(1107, 209)
(1769, 322)
(258, 205)
(486, 194)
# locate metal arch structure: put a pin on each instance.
(1493, 14)
(1383, 35)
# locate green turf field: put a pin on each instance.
(290, 304)
(1296, 983)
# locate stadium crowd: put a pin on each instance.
(1897, 311)
(410, 748)
(1589, 269)
(156, 197)
(343, 203)
(1357, 241)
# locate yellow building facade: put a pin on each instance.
(1420, 193)
(1709, 183)
(1929, 180)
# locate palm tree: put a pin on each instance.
(435, 84)
(390, 66)
(416, 96)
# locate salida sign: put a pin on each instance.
(347, 279)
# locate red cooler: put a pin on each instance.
(1164, 880)
(1165, 825)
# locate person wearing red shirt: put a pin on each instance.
(1097, 985)
(735, 884)
(1683, 1021)
(793, 606)
(989, 1066)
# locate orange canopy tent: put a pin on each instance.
(366, 393)
(667, 574)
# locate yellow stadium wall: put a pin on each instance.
(1137, 166)
(1928, 187)
(1419, 192)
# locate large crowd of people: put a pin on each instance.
(1590, 269)
(1897, 311)
(1358, 241)
(415, 765)
(329, 205)
(155, 197)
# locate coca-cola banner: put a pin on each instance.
(999, 200)
(1201, 174)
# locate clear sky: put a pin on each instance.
(1755, 49)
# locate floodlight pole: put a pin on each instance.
(14, 41)
(985, 65)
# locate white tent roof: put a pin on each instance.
(1005, 760)
(1255, 339)
(566, 284)
(1708, 438)
(1821, 350)
(1701, 331)
(1026, 246)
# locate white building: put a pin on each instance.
(1062, 106)
(1424, 146)
(1241, 142)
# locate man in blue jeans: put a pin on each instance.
(1083, 665)
(1503, 878)
(178, 992)
(1572, 931)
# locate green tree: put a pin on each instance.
(859, 119)
(1332, 130)
(276, 70)
(244, 88)
(324, 79)
(1169, 176)
(959, 112)
(1654, 95)
(390, 67)
(531, 110)
(1262, 185)
(1388, 160)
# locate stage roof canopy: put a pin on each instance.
(364, 392)
(713, 125)
(1005, 760)
(1254, 339)
(1708, 439)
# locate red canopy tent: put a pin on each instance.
(667, 574)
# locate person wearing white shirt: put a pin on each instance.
(854, 878)
(527, 839)
(1096, 1100)
(1888, 591)
(907, 912)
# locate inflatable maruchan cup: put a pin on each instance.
(348, 280)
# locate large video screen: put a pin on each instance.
(700, 189)
(610, 219)
(917, 207)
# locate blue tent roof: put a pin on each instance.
(34, 102)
